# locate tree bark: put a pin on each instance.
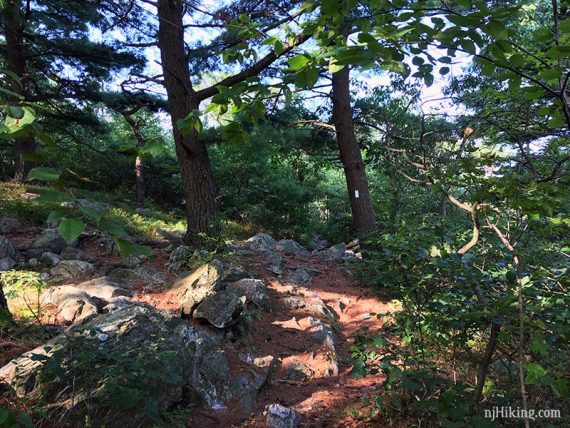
(4, 302)
(139, 173)
(363, 216)
(193, 159)
(13, 20)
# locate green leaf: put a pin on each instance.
(126, 248)
(298, 62)
(4, 415)
(70, 229)
(306, 78)
(91, 214)
(44, 174)
(564, 26)
(112, 227)
(444, 70)
(497, 30)
(26, 420)
(534, 373)
(190, 123)
(57, 214)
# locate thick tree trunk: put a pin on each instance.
(13, 21)
(199, 189)
(363, 215)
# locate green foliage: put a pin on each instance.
(15, 419)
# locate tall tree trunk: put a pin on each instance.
(363, 215)
(13, 20)
(196, 171)
(141, 141)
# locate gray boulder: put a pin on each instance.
(289, 246)
(75, 310)
(193, 288)
(131, 360)
(9, 256)
(254, 290)
(105, 287)
(9, 225)
(70, 253)
(220, 309)
(279, 416)
(336, 253)
(260, 242)
(71, 269)
(58, 295)
(301, 276)
(49, 258)
(48, 240)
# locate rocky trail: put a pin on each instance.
(258, 336)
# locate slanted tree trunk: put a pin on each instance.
(363, 216)
(13, 20)
(141, 141)
(193, 159)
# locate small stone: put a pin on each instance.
(33, 262)
(49, 258)
(70, 269)
(279, 416)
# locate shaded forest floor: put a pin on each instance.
(312, 378)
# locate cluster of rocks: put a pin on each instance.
(263, 243)
(221, 296)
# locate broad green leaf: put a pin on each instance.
(44, 174)
(298, 62)
(70, 229)
(112, 227)
(534, 373)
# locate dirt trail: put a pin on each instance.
(323, 396)
(311, 376)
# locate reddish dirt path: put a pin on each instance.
(324, 399)
(284, 333)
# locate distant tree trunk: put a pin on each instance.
(363, 215)
(141, 141)
(196, 171)
(3, 301)
(13, 20)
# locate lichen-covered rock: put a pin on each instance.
(49, 258)
(336, 253)
(70, 253)
(105, 287)
(260, 242)
(129, 360)
(71, 269)
(9, 225)
(220, 309)
(57, 295)
(193, 288)
(48, 240)
(279, 416)
(289, 246)
(254, 290)
(75, 310)
(9, 256)
(301, 276)
(179, 258)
